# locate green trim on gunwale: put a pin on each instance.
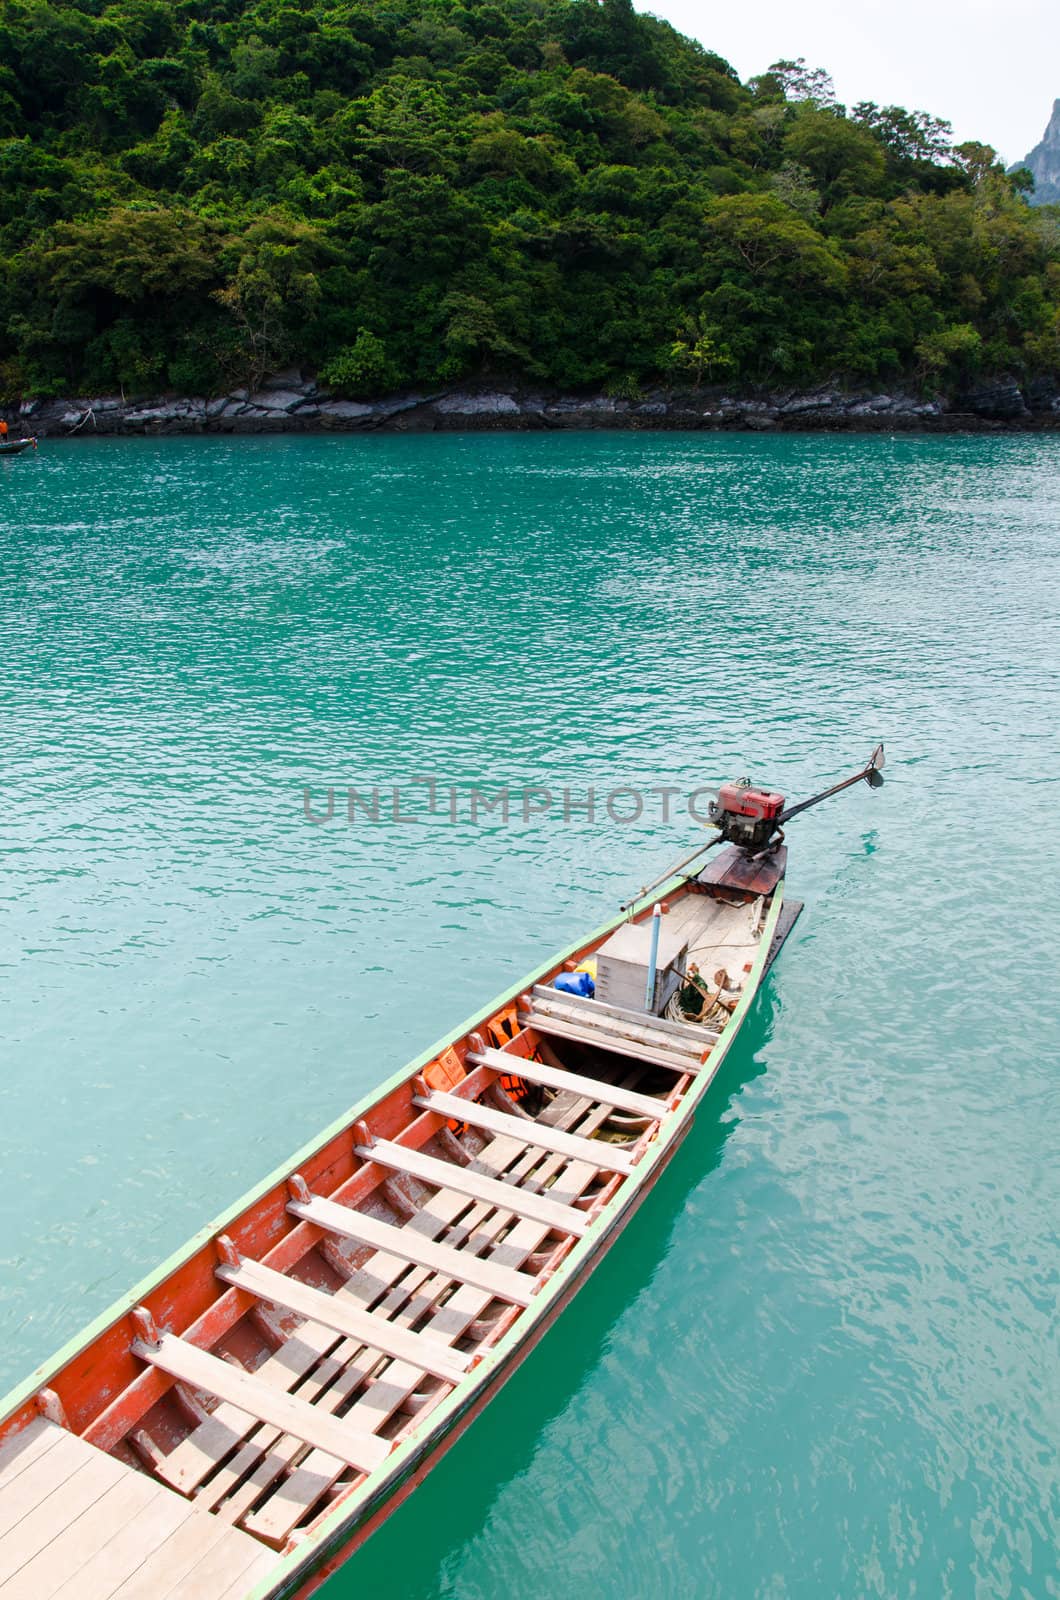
(40, 1376)
(292, 1570)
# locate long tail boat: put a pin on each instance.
(15, 447)
(241, 1422)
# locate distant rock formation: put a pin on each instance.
(290, 403)
(1044, 162)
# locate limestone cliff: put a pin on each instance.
(1044, 162)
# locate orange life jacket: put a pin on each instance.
(501, 1028)
(444, 1075)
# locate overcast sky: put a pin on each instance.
(991, 67)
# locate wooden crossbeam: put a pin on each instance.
(607, 1094)
(643, 1029)
(683, 1033)
(447, 1175)
(336, 1312)
(559, 1028)
(239, 1388)
(603, 1156)
(410, 1245)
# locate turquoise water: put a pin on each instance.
(823, 1359)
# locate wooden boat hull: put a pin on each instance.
(106, 1382)
(16, 447)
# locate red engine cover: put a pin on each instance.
(745, 802)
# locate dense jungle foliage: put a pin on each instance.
(194, 192)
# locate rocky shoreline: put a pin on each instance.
(289, 402)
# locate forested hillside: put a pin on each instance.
(193, 192)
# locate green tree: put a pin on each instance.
(272, 291)
(697, 350)
(841, 157)
(798, 82)
(953, 352)
(363, 369)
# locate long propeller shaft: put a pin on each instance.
(868, 774)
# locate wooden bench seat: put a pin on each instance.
(333, 1311)
(242, 1389)
(464, 1180)
(556, 1026)
(608, 1094)
(410, 1245)
(606, 1157)
(255, 1455)
(587, 1007)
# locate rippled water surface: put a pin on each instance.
(823, 1359)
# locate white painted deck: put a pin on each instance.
(75, 1523)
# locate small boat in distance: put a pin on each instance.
(15, 447)
(244, 1419)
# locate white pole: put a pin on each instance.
(656, 923)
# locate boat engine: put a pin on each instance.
(746, 816)
(753, 818)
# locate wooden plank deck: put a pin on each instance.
(80, 1525)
